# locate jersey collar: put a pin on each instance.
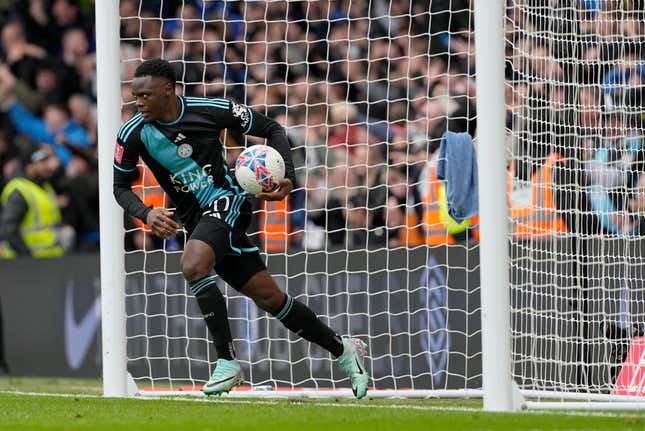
(181, 114)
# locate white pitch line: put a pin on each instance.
(50, 394)
(365, 405)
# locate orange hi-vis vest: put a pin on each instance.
(434, 228)
(410, 235)
(437, 226)
(532, 208)
(149, 191)
(274, 225)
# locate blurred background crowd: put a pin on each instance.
(48, 97)
(365, 95)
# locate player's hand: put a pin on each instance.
(285, 187)
(161, 223)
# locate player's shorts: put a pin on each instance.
(223, 226)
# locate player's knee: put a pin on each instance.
(264, 292)
(193, 269)
(270, 300)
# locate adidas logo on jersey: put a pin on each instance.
(180, 137)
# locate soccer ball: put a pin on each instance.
(259, 168)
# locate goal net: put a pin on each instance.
(365, 94)
(574, 80)
(366, 91)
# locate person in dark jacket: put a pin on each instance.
(30, 220)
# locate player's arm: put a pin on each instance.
(125, 167)
(249, 122)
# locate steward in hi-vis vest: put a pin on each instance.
(31, 216)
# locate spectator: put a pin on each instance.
(22, 57)
(616, 163)
(79, 198)
(50, 84)
(66, 15)
(31, 217)
(83, 113)
(22, 91)
(54, 128)
(37, 22)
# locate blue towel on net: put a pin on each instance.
(458, 167)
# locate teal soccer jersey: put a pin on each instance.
(186, 156)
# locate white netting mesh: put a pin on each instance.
(574, 83)
(365, 91)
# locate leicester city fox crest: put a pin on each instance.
(184, 151)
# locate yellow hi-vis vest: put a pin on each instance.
(451, 225)
(38, 227)
(438, 226)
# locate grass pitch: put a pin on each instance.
(76, 405)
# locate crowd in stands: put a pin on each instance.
(365, 90)
(363, 105)
(48, 96)
(574, 93)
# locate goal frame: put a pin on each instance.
(497, 387)
(499, 392)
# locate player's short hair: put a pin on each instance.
(157, 67)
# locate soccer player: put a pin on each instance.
(178, 139)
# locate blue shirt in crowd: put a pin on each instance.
(36, 128)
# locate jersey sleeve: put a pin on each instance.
(241, 118)
(126, 148)
(126, 156)
(227, 114)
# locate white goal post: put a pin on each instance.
(511, 306)
(108, 71)
(497, 380)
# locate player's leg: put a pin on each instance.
(196, 264)
(248, 274)
(293, 314)
(207, 241)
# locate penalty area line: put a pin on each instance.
(316, 404)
